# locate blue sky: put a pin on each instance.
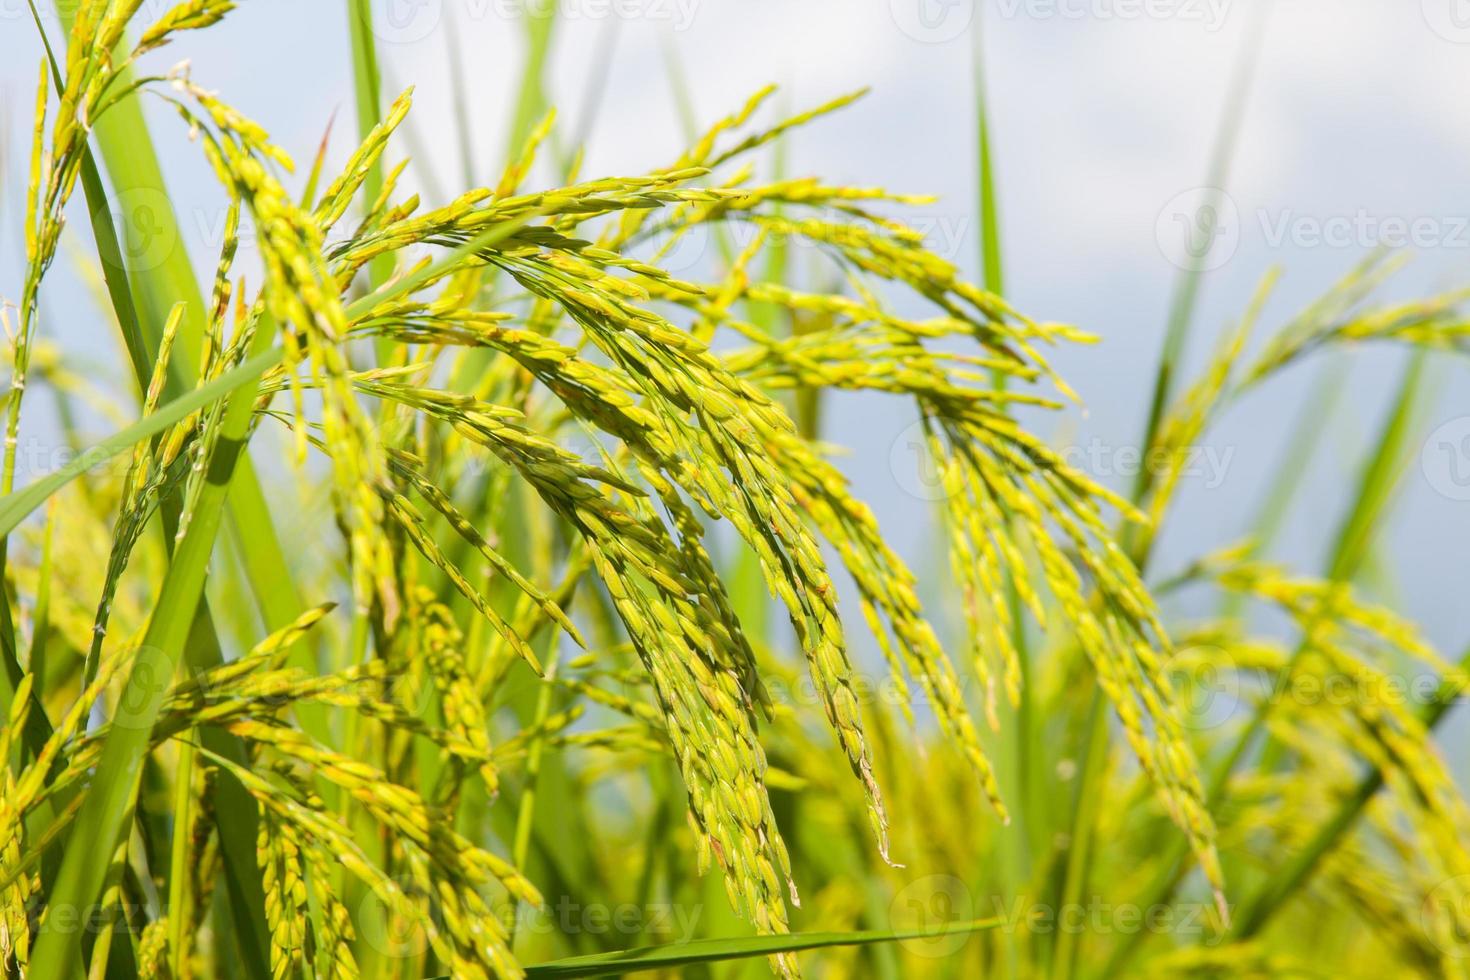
(1355, 134)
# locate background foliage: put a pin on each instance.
(535, 644)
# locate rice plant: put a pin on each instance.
(449, 598)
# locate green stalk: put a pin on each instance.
(1381, 475)
(37, 728)
(526, 810)
(107, 811)
(594, 91)
(673, 955)
(991, 260)
(1181, 315)
(178, 871)
(368, 87)
(1086, 805)
(1295, 460)
(1353, 541)
(463, 131)
(42, 630)
(1375, 490)
(17, 506)
(1028, 814)
(368, 83)
(532, 103)
(1321, 404)
(1187, 282)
